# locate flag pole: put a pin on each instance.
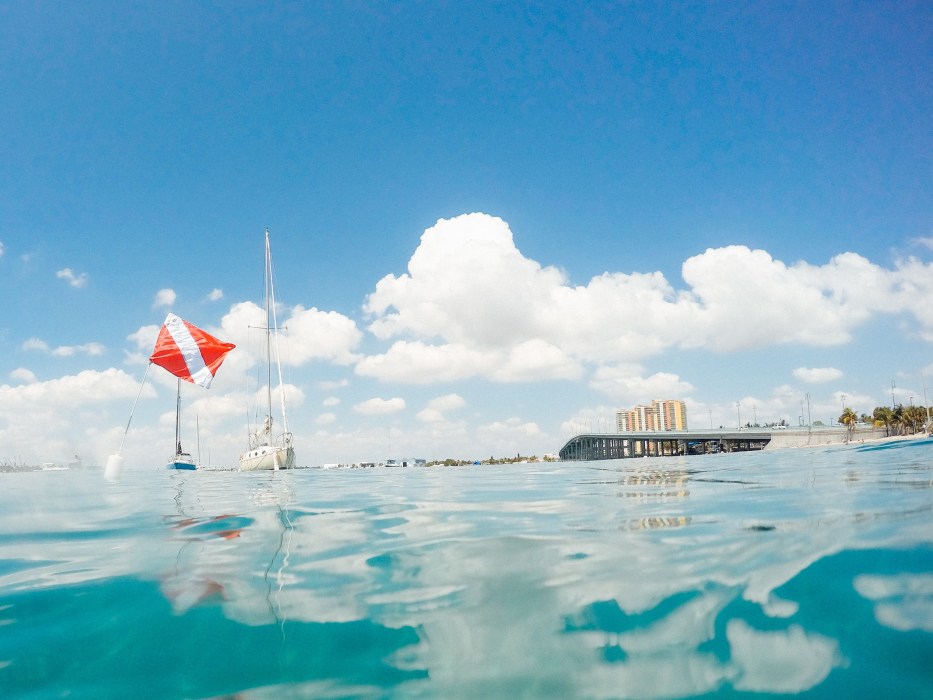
(115, 461)
(120, 451)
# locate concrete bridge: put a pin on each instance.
(666, 443)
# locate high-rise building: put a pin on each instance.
(672, 414)
(668, 414)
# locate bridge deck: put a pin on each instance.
(592, 446)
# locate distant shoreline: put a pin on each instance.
(864, 440)
(793, 436)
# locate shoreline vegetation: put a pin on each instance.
(900, 420)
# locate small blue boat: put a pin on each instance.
(182, 460)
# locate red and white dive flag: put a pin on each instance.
(188, 352)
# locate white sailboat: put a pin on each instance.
(268, 450)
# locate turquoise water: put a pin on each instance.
(795, 572)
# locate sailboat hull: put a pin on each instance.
(267, 458)
(182, 461)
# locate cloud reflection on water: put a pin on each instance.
(658, 581)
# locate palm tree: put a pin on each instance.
(897, 422)
(884, 416)
(848, 418)
(915, 417)
(905, 419)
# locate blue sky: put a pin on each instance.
(493, 224)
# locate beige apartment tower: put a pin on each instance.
(670, 414)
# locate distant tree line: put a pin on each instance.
(517, 459)
(901, 420)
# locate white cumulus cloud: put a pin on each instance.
(86, 387)
(145, 337)
(625, 384)
(472, 306)
(513, 426)
(816, 375)
(36, 344)
(437, 407)
(325, 419)
(294, 396)
(164, 298)
(332, 385)
(93, 349)
(911, 288)
(75, 280)
(448, 402)
(510, 435)
(748, 299)
(308, 335)
(322, 335)
(430, 415)
(417, 362)
(535, 360)
(378, 406)
(23, 375)
(43, 418)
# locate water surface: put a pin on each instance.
(796, 572)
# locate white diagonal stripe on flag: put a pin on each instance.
(190, 351)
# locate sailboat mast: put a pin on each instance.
(270, 302)
(178, 417)
(275, 327)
